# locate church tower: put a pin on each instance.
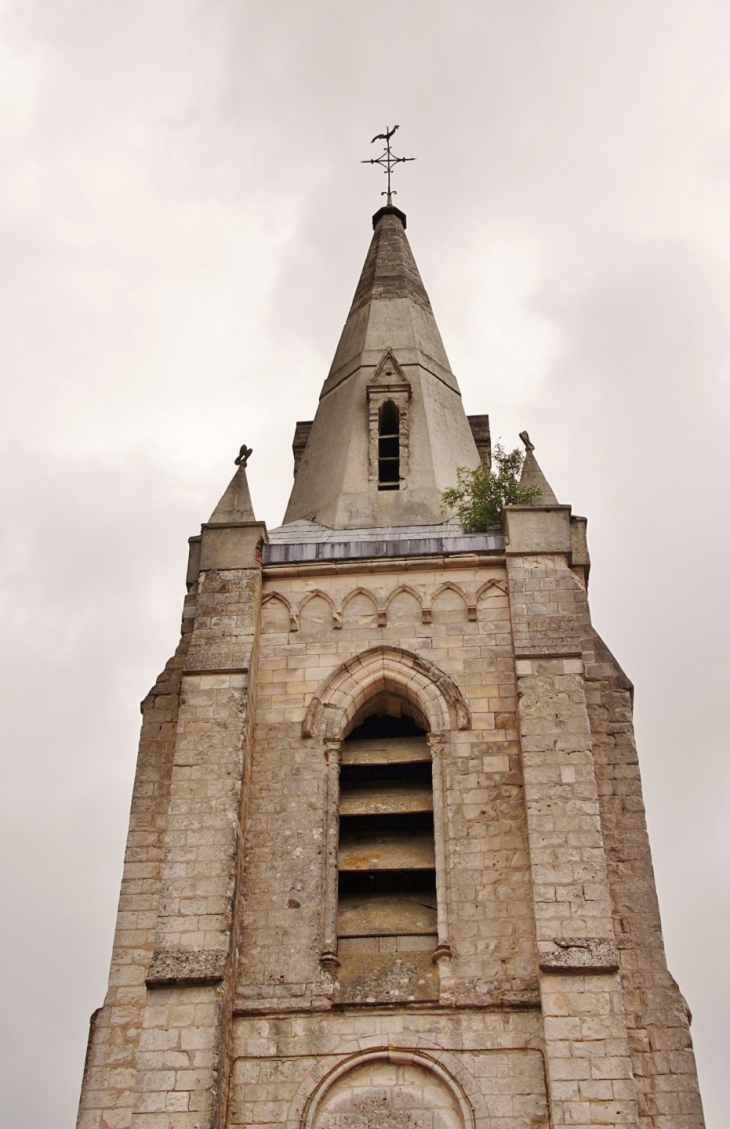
(387, 863)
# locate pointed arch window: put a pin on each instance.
(386, 889)
(389, 394)
(388, 446)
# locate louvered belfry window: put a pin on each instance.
(386, 921)
(389, 447)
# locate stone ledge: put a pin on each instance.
(551, 637)
(186, 966)
(215, 670)
(549, 651)
(580, 954)
(386, 565)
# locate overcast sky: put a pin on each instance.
(183, 218)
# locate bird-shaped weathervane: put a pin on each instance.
(387, 160)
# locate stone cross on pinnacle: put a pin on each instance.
(387, 160)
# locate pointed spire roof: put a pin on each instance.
(390, 270)
(532, 476)
(235, 505)
(390, 347)
(391, 308)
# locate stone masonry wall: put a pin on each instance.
(656, 1014)
(584, 793)
(159, 1050)
(108, 1085)
(589, 1068)
(477, 1068)
(463, 627)
(553, 981)
(183, 1059)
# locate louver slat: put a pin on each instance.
(387, 852)
(382, 800)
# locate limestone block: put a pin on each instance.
(233, 546)
(191, 576)
(534, 529)
(579, 954)
(190, 966)
(580, 557)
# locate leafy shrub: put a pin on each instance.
(481, 494)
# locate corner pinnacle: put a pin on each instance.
(532, 476)
(235, 505)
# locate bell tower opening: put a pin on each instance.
(389, 447)
(386, 917)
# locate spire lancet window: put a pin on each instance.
(389, 393)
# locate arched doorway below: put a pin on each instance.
(382, 1092)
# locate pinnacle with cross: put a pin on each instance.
(387, 160)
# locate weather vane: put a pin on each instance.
(387, 160)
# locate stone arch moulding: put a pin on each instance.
(398, 1057)
(447, 586)
(280, 598)
(404, 589)
(336, 615)
(378, 606)
(498, 584)
(360, 592)
(385, 668)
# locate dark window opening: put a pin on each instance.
(400, 825)
(386, 726)
(391, 774)
(385, 882)
(389, 447)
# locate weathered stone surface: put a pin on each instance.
(451, 931)
(369, 978)
(543, 876)
(192, 966)
(579, 954)
(390, 311)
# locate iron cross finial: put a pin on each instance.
(387, 160)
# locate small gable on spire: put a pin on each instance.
(389, 375)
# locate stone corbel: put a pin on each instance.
(579, 954)
(186, 966)
(443, 951)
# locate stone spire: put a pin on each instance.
(390, 351)
(532, 476)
